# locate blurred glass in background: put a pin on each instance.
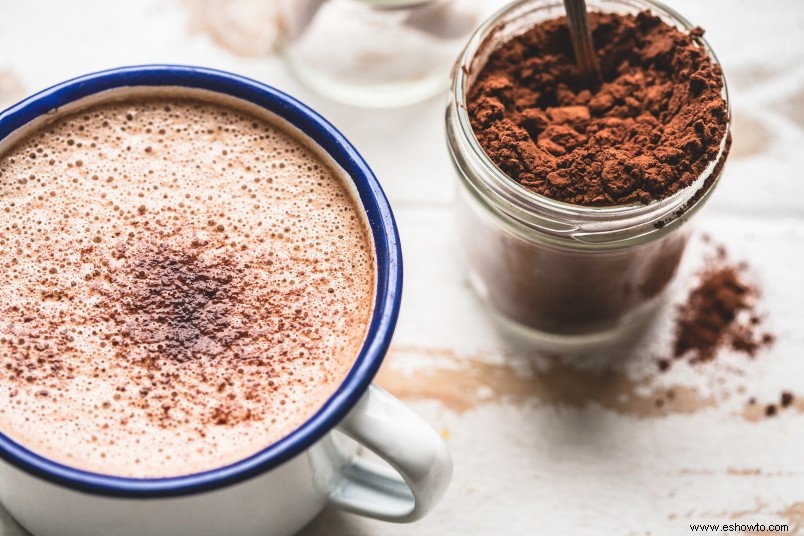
(375, 53)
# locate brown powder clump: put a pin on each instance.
(719, 312)
(648, 131)
(786, 400)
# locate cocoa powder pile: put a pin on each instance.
(719, 312)
(648, 131)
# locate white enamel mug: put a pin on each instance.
(281, 488)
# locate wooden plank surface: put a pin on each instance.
(542, 444)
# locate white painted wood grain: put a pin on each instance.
(528, 465)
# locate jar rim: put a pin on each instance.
(514, 199)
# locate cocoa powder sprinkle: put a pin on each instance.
(719, 312)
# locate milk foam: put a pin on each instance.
(183, 283)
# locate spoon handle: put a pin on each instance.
(581, 36)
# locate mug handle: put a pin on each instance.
(388, 428)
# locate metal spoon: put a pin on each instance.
(581, 35)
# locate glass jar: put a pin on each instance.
(560, 272)
(375, 53)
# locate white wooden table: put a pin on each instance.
(542, 445)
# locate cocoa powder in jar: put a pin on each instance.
(649, 131)
(560, 291)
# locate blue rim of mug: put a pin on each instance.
(388, 288)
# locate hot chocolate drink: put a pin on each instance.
(185, 280)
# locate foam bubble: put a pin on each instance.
(185, 284)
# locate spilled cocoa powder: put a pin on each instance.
(785, 401)
(771, 410)
(720, 312)
(648, 131)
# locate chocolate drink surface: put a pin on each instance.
(184, 283)
(574, 201)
